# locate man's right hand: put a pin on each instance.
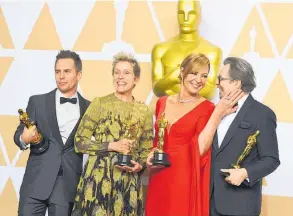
(123, 146)
(29, 135)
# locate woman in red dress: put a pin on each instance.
(183, 188)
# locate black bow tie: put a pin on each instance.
(70, 100)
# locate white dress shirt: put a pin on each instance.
(227, 121)
(67, 115)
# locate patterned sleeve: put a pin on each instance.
(83, 142)
(146, 139)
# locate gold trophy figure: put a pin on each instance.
(161, 158)
(124, 159)
(167, 56)
(24, 118)
(251, 142)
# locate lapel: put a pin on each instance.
(52, 117)
(234, 125)
(82, 108)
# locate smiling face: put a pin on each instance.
(225, 83)
(196, 80)
(124, 79)
(194, 73)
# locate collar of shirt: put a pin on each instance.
(227, 120)
(241, 102)
(59, 95)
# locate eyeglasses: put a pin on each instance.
(222, 79)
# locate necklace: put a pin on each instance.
(184, 101)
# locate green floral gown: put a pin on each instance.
(105, 190)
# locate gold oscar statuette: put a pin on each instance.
(124, 159)
(250, 144)
(24, 118)
(161, 158)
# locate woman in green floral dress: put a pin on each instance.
(104, 188)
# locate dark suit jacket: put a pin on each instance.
(262, 160)
(51, 154)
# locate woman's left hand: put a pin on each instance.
(136, 168)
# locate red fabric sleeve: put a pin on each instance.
(200, 173)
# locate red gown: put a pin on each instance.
(183, 188)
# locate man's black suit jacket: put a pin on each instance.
(51, 155)
(262, 160)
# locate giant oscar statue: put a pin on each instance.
(167, 56)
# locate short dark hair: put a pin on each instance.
(126, 57)
(241, 70)
(67, 54)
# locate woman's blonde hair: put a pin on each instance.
(192, 63)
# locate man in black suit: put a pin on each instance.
(53, 168)
(240, 193)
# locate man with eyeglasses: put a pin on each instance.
(238, 191)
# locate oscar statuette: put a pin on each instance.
(124, 159)
(250, 144)
(161, 158)
(24, 118)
